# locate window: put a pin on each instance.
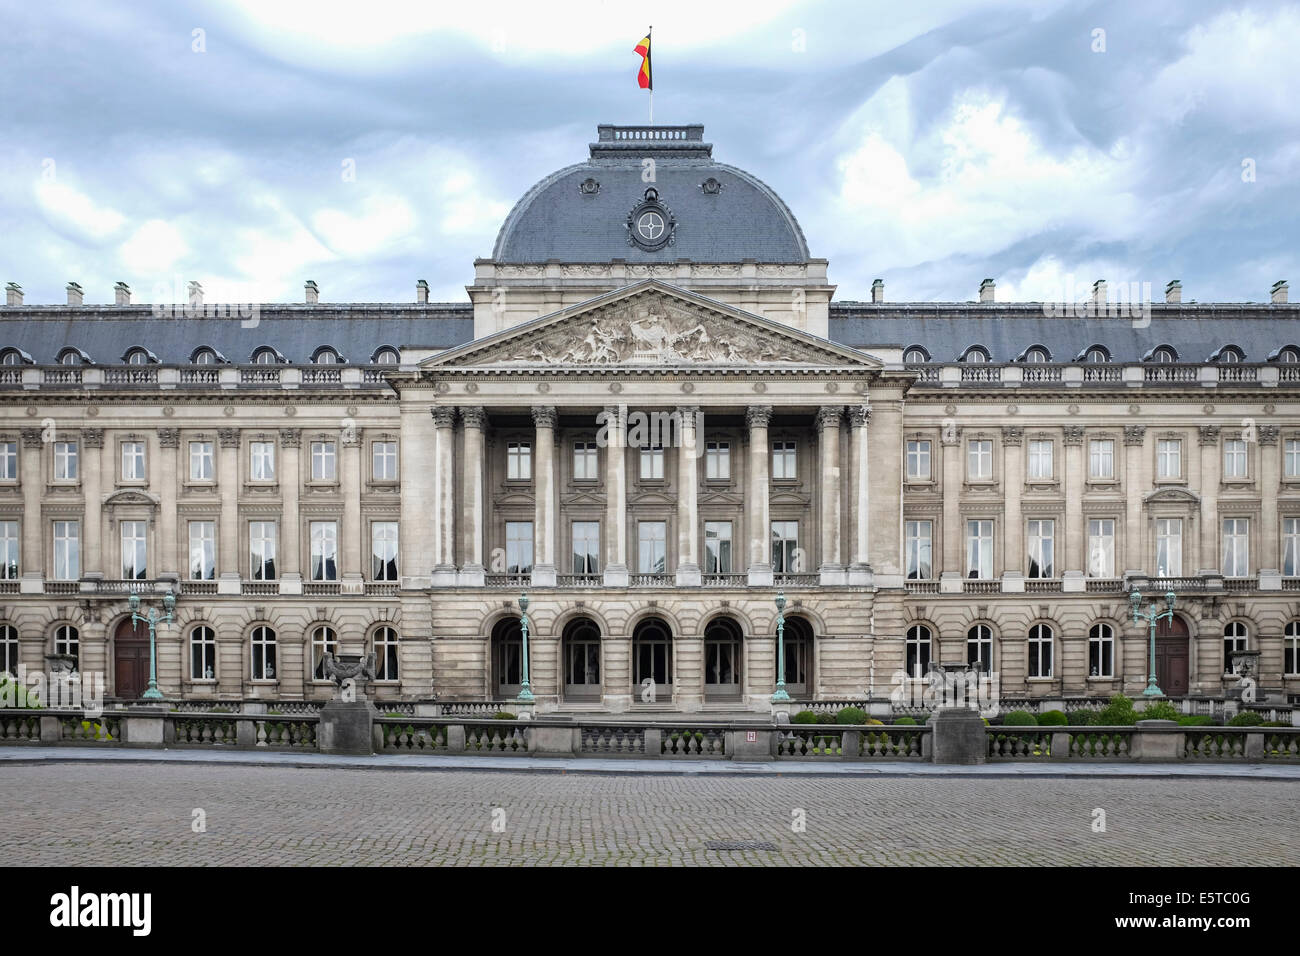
(979, 549)
(786, 558)
(918, 651)
(323, 641)
(8, 650)
(1040, 459)
(8, 461)
(1101, 547)
(1234, 639)
(1101, 458)
(1041, 548)
(137, 357)
(783, 461)
(10, 357)
(383, 460)
(1164, 354)
(67, 640)
(1289, 355)
(1291, 649)
(1169, 458)
(386, 654)
(325, 356)
(1291, 547)
(203, 550)
(975, 355)
(1236, 547)
(203, 653)
(261, 547)
(1040, 651)
(201, 461)
(265, 357)
(519, 547)
(918, 536)
(519, 461)
(1101, 651)
(263, 646)
(133, 461)
(1234, 458)
(8, 550)
(383, 550)
(979, 648)
(652, 464)
(1292, 459)
(1037, 355)
(717, 461)
(1096, 355)
(979, 461)
(134, 563)
(65, 461)
(67, 550)
(717, 547)
(1229, 356)
(1169, 547)
(69, 357)
(324, 550)
(586, 547)
(652, 660)
(385, 357)
(915, 356)
(324, 461)
(651, 545)
(918, 460)
(585, 461)
(261, 461)
(204, 357)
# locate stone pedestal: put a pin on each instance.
(1149, 744)
(553, 738)
(760, 748)
(345, 727)
(960, 736)
(143, 725)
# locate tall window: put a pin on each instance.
(1291, 547)
(324, 550)
(134, 559)
(784, 465)
(263, 653)
(652, 546)
(918, 460)
(979, 460)
(1291, 649)
(324, 461)
(203, 653)
(585, 461)
(586, 547)
(1234, 639)
(1040, 651)
(1169, 547)
(67, 640)
(519, 460)
(8, 461)
(65, 461)
(133, 461)
(8, 550)
(979, 648)
(383, 550)
(1236, 547)
(67, 550)
(203, 550)
(261, 461)
(519, 547)
(717, 547)
(1234, 458)
(919, 541)
(1101, 458)
(323, 641)
(386, 654)
(201, 463)
(1101, 547)
(979, 549)
(652, 464)
(1040, 459)
(8, 650)
(918, 651)
(1042, 548)
(1291, 459)
(785, 547)
(383, 460)
(1169, 458)
(261, 548)
(717, 461)
(1101, 651)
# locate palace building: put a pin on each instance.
(652, 415)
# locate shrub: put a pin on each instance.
(905, 720)
(393, 713)
(925, 718)
(1160, 710)
(1276, 723)
(825, 719)
(872, 720)
(804, 717)
(1019, 718)
(273, 712)
(1118, 713)
(504, 715)
(851, 715)
(1077, 717)
(1195, 720)
(1052, 718)
(1247, 718)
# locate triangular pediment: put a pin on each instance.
(652, 324)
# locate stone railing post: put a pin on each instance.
(456, 738)
(1149, 743)
(246, 734)
(653, 742)
(751, 744)
(559, 740)
(143, 728)
(960, 736)
(850, 744)
(1255, 745)
(1060, 745)
(51, 731)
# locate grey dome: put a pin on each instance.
(739, 218)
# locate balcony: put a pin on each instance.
(509, 582)
(796, 580)
(578, 580)
(651, 580)
(725, 580)
(981, 587)
(259, 375)
(922, 587)
(321, 588)
(1042, 585)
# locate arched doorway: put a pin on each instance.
(722, 660)
(580, 652)
(798, 656)
(652, 661)
(1172, 656)
(507, 659)
(130, 660)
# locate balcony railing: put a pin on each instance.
(320, 588)
(381, 588)
(981, 587)
(796, 580)
(1171, 373)
(923, 587)
(198, 587)
(61, 376)
(1103, 585)
(507, 581)
(200, 376)
(981, 373)
(651, 580)
(578, 580)
(1042, 373)
(725, 579)
(1103, 373)
(131, 375)
(1042, 585)
(1238, 373)
(259, 588)
(322, 376)
(259, 375)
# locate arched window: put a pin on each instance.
(10, 357)
(323, 641)
(918, 651)
(507, 658)
(1101, 651)
(1235, 638)
(652, 661)
(976, 354)
(263, 646)
(581, 658)
(1037, 355)
(68, 641)
(1096, 354)
(385, 640)
(1230, 354)
(1164, 354)
(1289, 355)
(203, 653)
(1040, 651)
(205, 357)
(385, 356)
(723, 659)
(1291, 650)
(137, 356)
(979, 648)
(325, 356)
(70, 357)
(798, 656)
(8, 649)
(265, 356)
(915, 355)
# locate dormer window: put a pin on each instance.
(11, 357)
(1164, 354)
(205, 357)
(137, 356)
(915, 355)
(975, 355)
(1096, 355)
(326, 356)
(1037, 355)
(1289, 355)
(265, 356)
(71, 357)
(1230, 355)
(385, 356)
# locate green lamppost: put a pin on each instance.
(153, 619)
(525, 692)
(780, 648)
(1153, 617)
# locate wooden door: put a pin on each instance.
(130, 660)
(1172, 657)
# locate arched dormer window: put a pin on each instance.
(1036, 354)
(1095, 354)
(975, 355)
(73, 356)
(384, 355)
(266, 356)
(1228, 355)
(1162, 355)
(139, 356)
(326, 355)
(1288, 355)
(205, 356)
(13, 357)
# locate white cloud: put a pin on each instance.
(153, 248)
(77, 212)
(372, 230)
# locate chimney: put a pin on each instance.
(1099, 294)
(986, 290)
(121, 294)
(312, 292)
(13, 294)
(75, 295)
(421, 291)
(195, 295)
(1278, 292)
(1174, 291)
(878, 291)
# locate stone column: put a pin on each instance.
(231, 565)
(32, 558)
(472, 573)
(167, 562)
(859, 494)
(1269, 530)
(1074, 560)
(758, 417)
(290, 543)
(1134, 458)
(828, 439)
(544, 570)
(886, 541)
(1013, 524)
(616, 572)
(953, 530)
(415, 531)
(92, 476)
(352, 581)
(1210, 561)
(688, 481)
(444, 522)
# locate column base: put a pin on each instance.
(543, 576)
(443, 576)
(832, 575)
(472, 576)
(616, 576)
(688, 576)
(760, 576)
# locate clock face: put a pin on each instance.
(650, 226)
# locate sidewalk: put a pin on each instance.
(635, 767)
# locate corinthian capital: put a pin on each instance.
(758, 416)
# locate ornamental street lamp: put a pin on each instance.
(525, 693)
(153, 619)
(780, 648)
(1152, 616)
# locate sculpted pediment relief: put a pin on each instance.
(130, 498)
(1171, 496)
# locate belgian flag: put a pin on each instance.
(643, 78)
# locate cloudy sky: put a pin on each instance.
(252, 144)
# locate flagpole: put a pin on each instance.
(650, 51)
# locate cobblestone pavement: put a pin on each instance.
(126, 815)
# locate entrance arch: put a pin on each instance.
(507, 659)
(723, 660)
(798, 656)
(130, 660)
(652, 660)
(1173, 656)
(580, 656)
